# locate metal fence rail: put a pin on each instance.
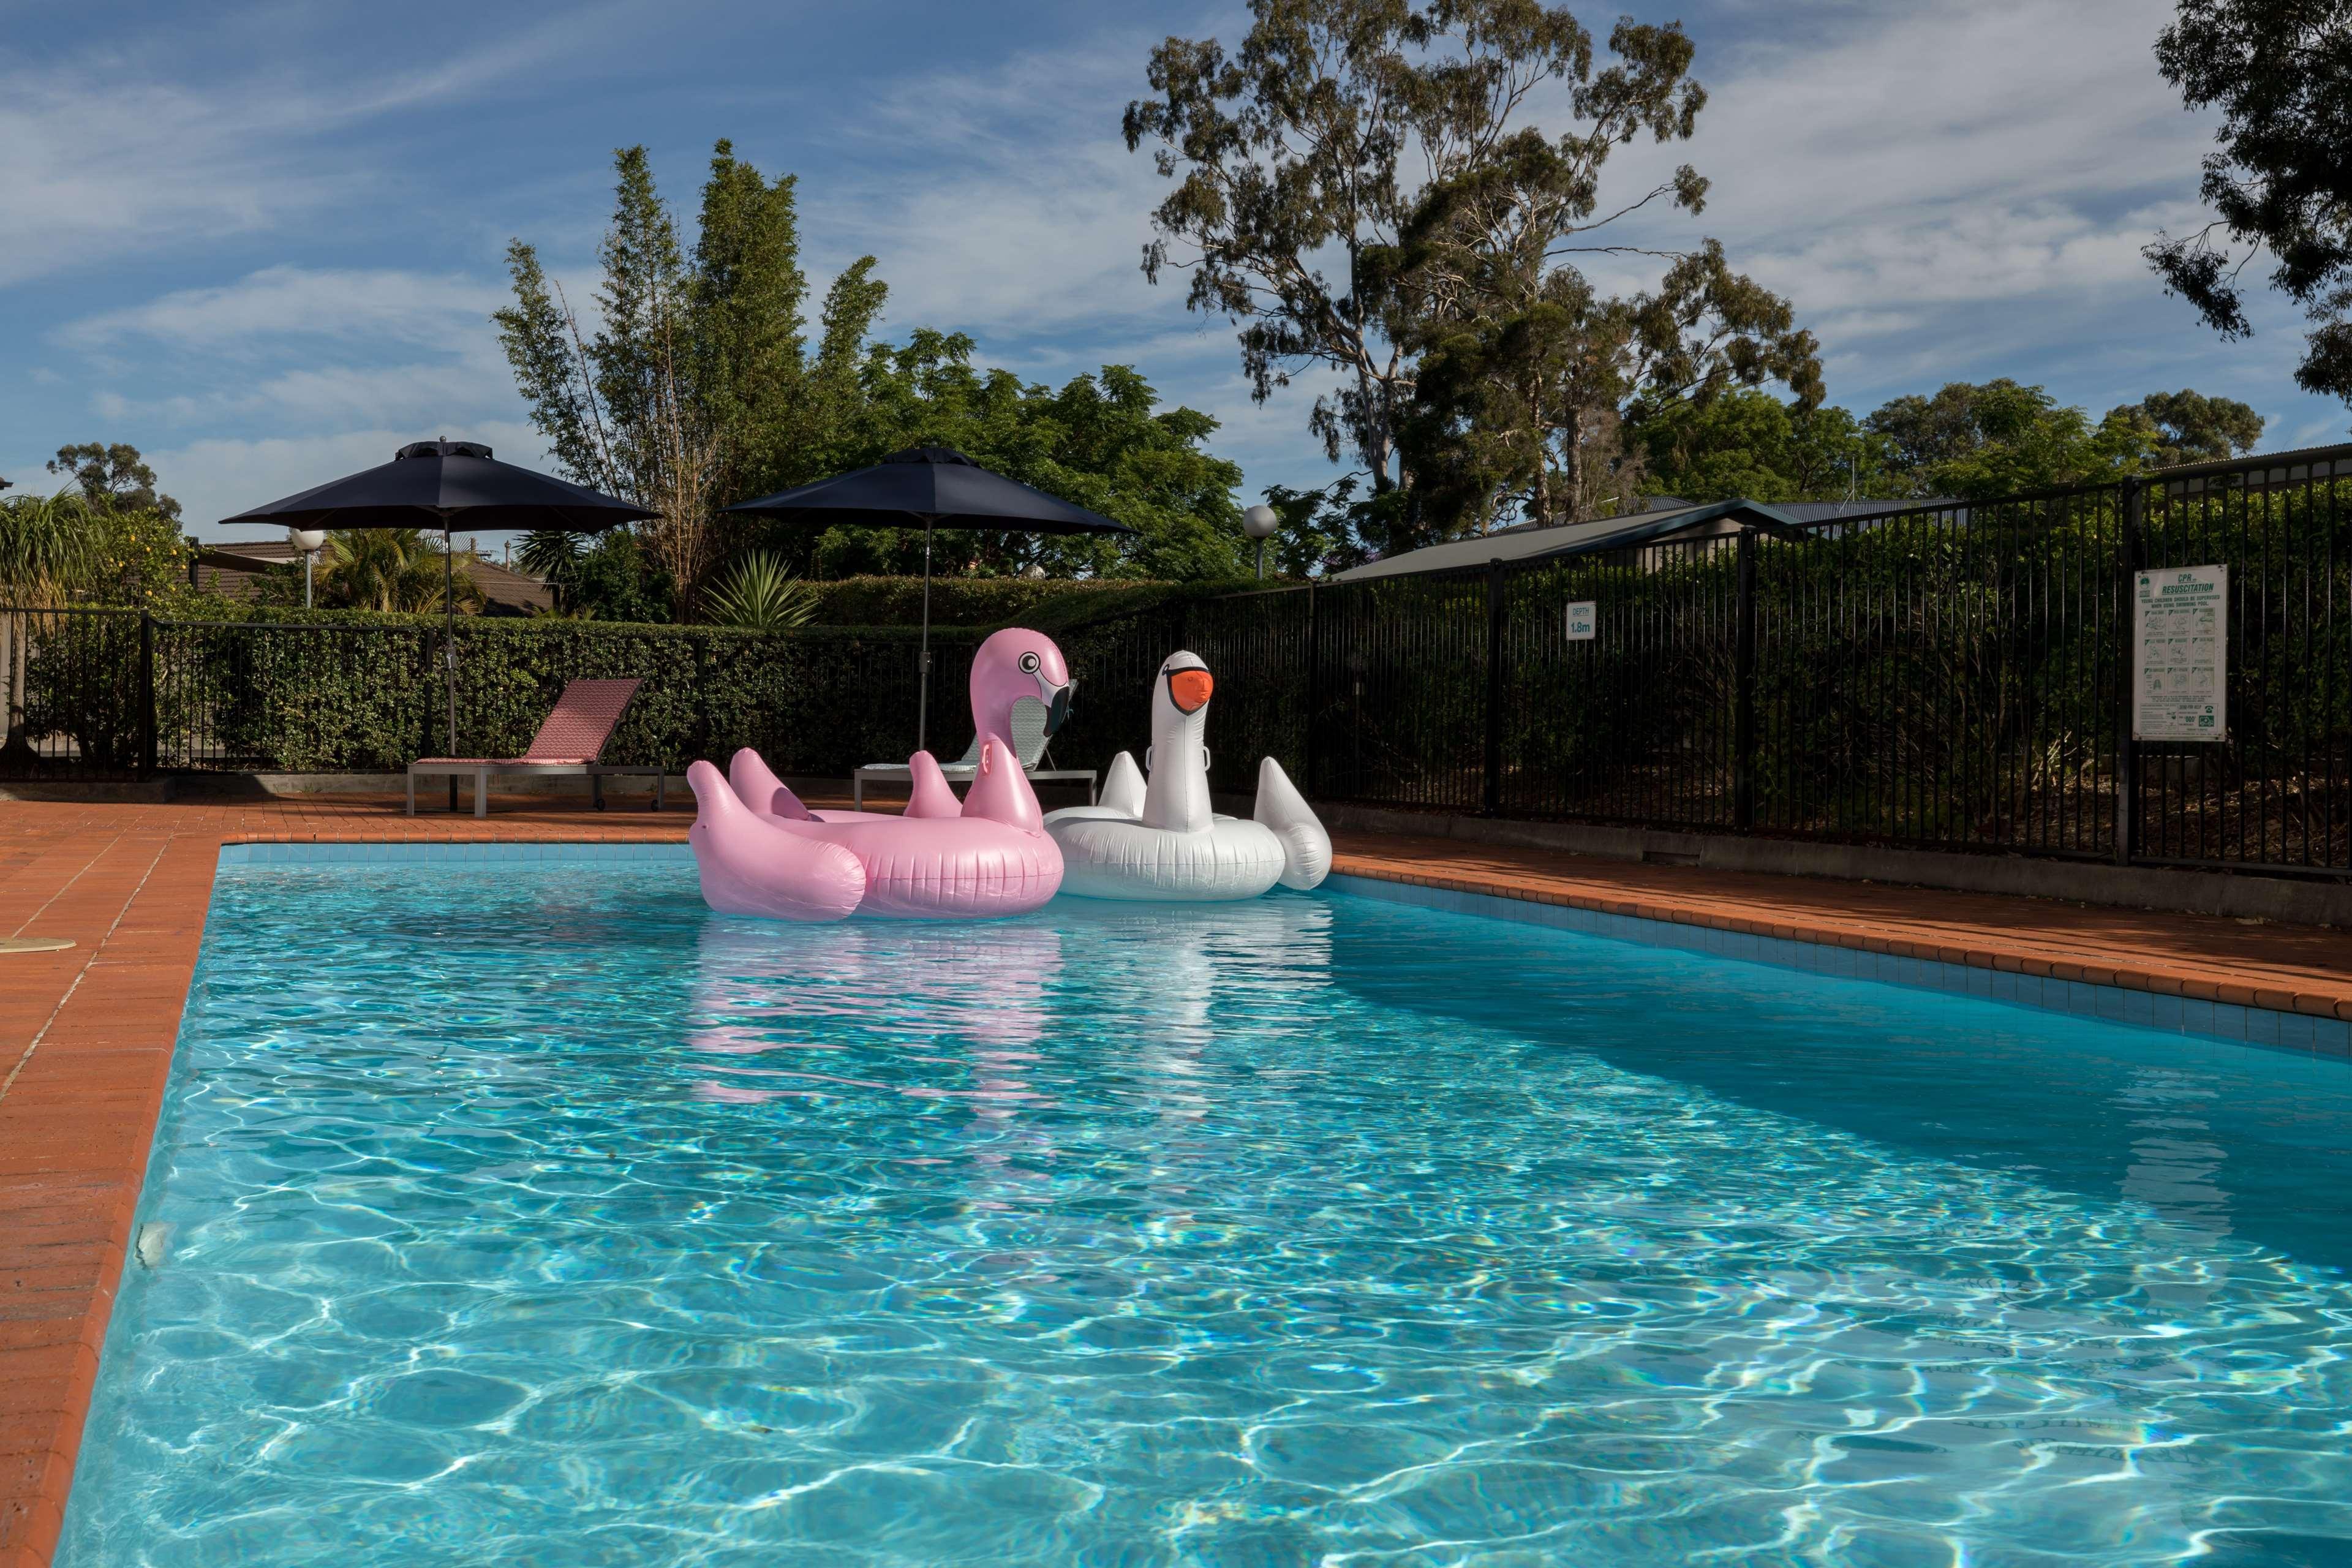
(2278, 793)
(1953, 677)
(1944, 676)
(73, 694)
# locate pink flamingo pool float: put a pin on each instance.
(761, 852)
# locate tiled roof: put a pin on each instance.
(230, 570)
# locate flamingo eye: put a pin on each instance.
(1028, 664)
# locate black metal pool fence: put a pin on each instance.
(1947, 677)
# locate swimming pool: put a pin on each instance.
(529, 1213)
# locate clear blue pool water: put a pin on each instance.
(530, 1214)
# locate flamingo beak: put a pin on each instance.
(1057, 704)
(1190, 689)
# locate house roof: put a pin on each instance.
(1528, 542)
(1668, 518)
(230, 570)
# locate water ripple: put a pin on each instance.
(536, 1216)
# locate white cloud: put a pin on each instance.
(1027, 215)
(106, 154)
(310, 396)
(300, 350)
(379, 304)
(1947, 190)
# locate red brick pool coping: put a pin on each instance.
(87, 1034)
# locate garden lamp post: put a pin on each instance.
(1261, 523)
(310, 541)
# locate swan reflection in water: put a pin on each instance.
(1060, 1080)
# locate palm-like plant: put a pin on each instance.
(552, 555)
(759, 595)
(393, 569)
(48, 547)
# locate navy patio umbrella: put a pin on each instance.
(443, 485)
(929, 487)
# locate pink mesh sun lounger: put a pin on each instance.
(566, 746)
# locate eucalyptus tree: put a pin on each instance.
(1290, 157)
(1748, 443)
(113, 477)
(2001, 438)
(2282, 180)
(2190, 428)
(1361, 185)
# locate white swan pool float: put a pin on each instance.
(1159, 839)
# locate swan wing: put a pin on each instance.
(1306, 847)
(1122, 788)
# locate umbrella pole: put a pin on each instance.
(923, 663)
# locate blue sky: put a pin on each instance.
(261, 241)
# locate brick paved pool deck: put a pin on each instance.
(87, 1033)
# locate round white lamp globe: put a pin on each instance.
(308, 541)
(1261, 522)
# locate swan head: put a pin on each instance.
(1183, 687)
(1180, 703)
(1176, 795)
(1013, 663)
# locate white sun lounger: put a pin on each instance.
(1028, 739)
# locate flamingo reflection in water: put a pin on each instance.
(1002, 1020)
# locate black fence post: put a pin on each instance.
(1314, 691)
(146, 694)
(1743, 697)
(424, 689)
(2128, 557)
(1494, 755)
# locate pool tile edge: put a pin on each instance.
(77, 1124)
(452, 852)
(2145, 998)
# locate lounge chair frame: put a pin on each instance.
(1028, 739)
(483, 772)
(569, 739)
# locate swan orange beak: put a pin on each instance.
(1190, 689)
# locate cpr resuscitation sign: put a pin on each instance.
(2180, 637)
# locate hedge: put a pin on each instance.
(362, 692)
